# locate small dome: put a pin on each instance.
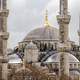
(56, 58)
(14, 59)
(43, 33)
(31, 45)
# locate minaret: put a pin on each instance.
(79, 31)
(3, 39)
(63, 21)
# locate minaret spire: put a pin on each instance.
(63, 7)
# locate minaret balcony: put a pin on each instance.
(3, 60)
(4, 12)
(4, 35)
(63, 19)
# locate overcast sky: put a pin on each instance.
(26, 15)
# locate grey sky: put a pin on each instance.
(26, 15)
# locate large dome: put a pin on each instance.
(43, 33)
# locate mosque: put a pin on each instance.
(46, 53)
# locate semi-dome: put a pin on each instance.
(56, 58)
(43, 33)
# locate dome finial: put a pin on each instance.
(46, 18)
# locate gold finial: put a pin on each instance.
(46, 19)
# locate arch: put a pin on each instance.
(48, 54)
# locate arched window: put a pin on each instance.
(75, 65)
(71, 66)
(55, 46)
(45, 46)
